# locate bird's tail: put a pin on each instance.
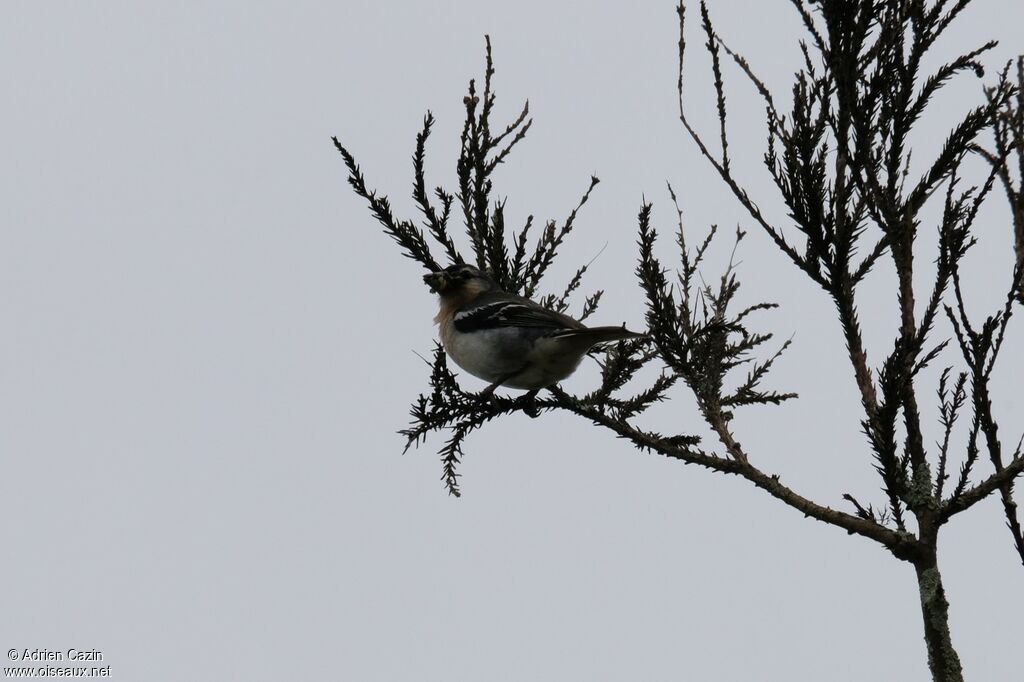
(595, 335)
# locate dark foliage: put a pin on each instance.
(699, 336)
(1007, 158)
(841, 163)
(839, 158)
(518, 266)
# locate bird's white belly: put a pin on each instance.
(476, 353)
(507, 356)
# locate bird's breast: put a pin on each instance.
(488, 354)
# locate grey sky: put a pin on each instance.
(210, 345)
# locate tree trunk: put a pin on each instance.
(942, 657)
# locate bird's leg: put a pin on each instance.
(488, 393)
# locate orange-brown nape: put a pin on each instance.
(457, 286)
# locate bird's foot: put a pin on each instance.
(530, 407)
(487, 396)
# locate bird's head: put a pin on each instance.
(459, 281)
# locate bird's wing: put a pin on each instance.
(505, 310)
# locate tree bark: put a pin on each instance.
(942, 657)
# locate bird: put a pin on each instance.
(505, 339)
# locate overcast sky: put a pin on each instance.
(209, 346)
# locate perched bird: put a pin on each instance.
(505, 339)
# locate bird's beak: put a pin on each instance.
(437, 281)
